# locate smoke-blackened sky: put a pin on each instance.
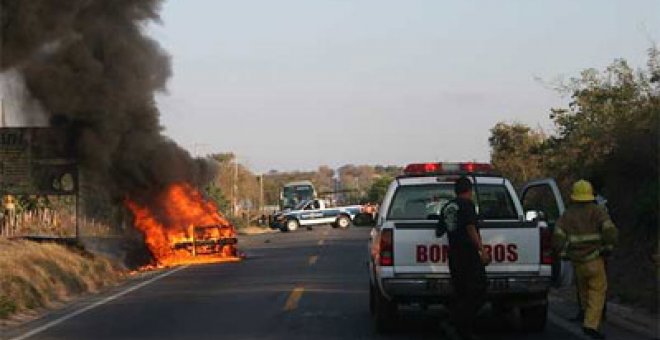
(90, 66)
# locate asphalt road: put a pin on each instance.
(300, 285)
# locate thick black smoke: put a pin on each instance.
(93, 70)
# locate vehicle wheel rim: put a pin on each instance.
(292, 225)
(343, 223)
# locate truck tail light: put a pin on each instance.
(386, 248)
(546, 245)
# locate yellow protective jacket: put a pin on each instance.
(584, 232)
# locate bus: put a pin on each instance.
(295, 192)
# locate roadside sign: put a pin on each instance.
(37, 161)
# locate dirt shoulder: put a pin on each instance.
(45, 275)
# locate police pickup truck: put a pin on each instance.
(408, 262)
(314, 212)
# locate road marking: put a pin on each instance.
(312, 259)
(567, 326)
(96, 304)
(292, 300)
(321, 241)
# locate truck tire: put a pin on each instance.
(343, 221)
(363, 220)
(383, 312)
(291, 225)
(534, 318)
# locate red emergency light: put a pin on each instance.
(476, 167)
(423, 168)
(447, 168)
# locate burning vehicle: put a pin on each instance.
(181, 227)
(90, 69)
(209, 239)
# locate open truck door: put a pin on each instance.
(541, 200)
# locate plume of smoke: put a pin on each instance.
(92, 69)
(19, 108)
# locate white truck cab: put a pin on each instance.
(409, 261)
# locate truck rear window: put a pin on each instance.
(417, 202)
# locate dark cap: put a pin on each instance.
(462, 185)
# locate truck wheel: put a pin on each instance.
(292, 225)
(383, 312)
(534, 318)
(343, 221)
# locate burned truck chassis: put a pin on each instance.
(200, 244)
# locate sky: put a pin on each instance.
(294, 84)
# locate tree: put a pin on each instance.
(235, 179)
(516, 151)
(356, 179)
(608, 134)
(378, 189)
(324, 180)
(214, 193)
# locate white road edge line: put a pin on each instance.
(96, 304)
(567, 326)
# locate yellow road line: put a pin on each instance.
(312, 259)
(321, 242)
(292, 300)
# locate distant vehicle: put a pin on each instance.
(315, 212)
(409, 257)
(293, 193)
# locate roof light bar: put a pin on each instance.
(447, 168)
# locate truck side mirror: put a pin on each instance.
(534, 215)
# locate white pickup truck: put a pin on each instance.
(408, 262)
(315, 212)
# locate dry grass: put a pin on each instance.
(34, 275)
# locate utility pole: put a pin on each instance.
(261, 193)
(235, 188)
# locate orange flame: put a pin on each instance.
(172, 219)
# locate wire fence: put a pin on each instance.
(58, 222)
(51, 223)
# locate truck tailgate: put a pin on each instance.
(514, 248)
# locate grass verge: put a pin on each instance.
(34, 275)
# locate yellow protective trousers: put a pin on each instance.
(592, 286)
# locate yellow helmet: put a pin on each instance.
(582, 191)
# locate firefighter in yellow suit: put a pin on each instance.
(585, 234)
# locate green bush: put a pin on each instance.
(608, 134)
(7, 307)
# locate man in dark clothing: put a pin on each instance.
(467, 258)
